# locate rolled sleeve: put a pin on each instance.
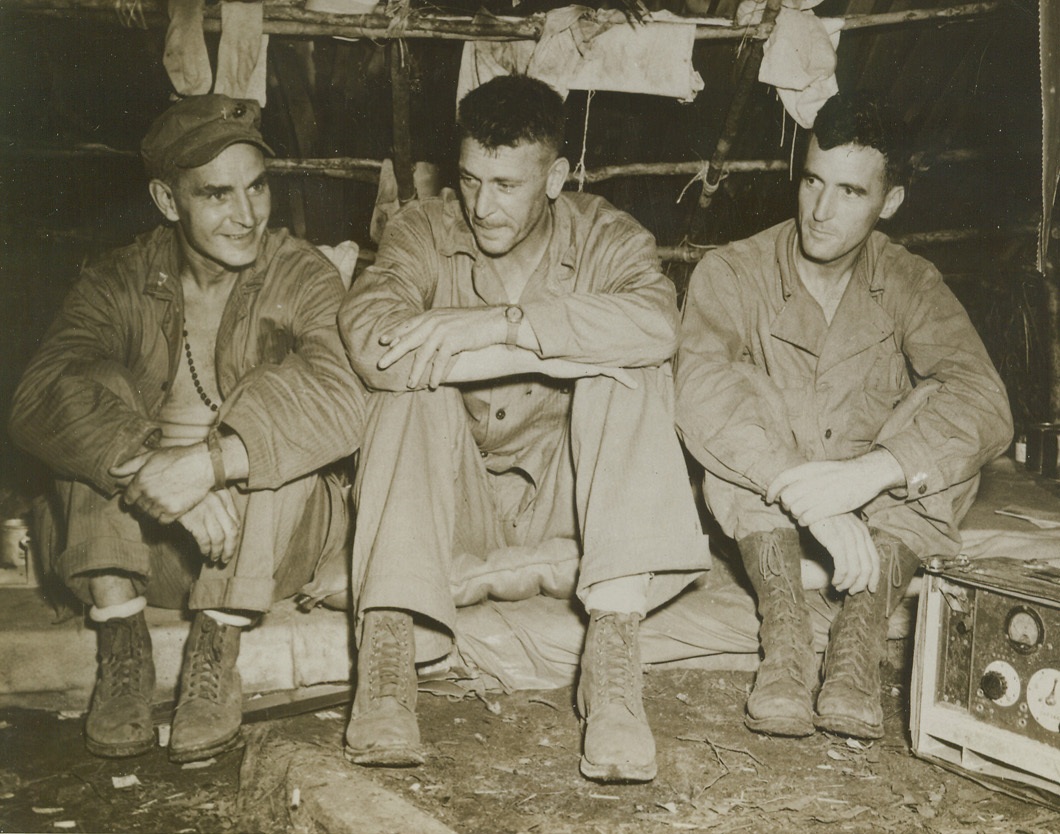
(964, 420)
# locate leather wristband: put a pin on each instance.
(213, 445)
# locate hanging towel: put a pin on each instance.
(241, 53)
(799, 60)
(483, 60)
(185, 57)
(579, 52)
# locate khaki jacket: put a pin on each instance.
(764, 383)
(288, 390)
(598, 297)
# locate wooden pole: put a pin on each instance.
(744, 85)
(402, 139)
(914, 240)
(288, 18)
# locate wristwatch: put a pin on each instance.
(514, 316)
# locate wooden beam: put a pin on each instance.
(289, 19)
(914, 240)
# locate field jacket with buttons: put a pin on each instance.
(289, 392)
(764, 383)
(597, 297)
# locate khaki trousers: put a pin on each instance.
(285, 533)
(615, 491)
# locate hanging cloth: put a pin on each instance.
(579, 52)
(799, 60)
(241, 53)
(185, 57)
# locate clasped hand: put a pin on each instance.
(817, 490)
(214, 523)
(166, 483)
(436, 337)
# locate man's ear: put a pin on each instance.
(557, 177)
(895, 197)
(162, 195)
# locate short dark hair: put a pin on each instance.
(862, 118)
(510, 110)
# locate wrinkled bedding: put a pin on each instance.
(534, 642)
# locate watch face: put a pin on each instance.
(514, 314)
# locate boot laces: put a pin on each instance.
(852, 659)
(206, 666)
(614, 670)
(121, 661)
(389, 659)
(785, 625)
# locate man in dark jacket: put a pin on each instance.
(188, 398)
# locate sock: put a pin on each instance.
(123, 609)
(622, 595)
(228, 618)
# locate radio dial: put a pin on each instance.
(993, 685)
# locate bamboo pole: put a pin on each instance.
(914, 240)
(401, 102)
(745, 83)
(291, 20)
(367, 170)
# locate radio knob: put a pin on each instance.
(993, 685)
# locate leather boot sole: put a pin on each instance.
(207, 751)
(845, 725)
(119, 751)
(617, 772)
(385, 757)
(774, 726)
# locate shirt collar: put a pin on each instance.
(864, 271)
(164, 267)
(456, 236)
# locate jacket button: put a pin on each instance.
(501, 414)
(827, 433)
(165, 385)
(923, 489)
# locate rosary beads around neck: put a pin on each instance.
(210, 404)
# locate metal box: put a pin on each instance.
(986, 674)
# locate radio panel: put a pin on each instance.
(986, 678)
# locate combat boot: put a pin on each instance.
(780, 702)
(210, 704)
(849, 700)
(119, 718)
(618, 745)
(383, 729)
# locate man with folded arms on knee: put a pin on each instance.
(188, 398)
(835, 392)
(518, 345)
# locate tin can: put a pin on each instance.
(1051, 452)
(15, 544)
(1036, 435)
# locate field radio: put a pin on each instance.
(986, 673)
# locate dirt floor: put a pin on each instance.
(509, 764)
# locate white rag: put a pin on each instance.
(579, 52)
(799, 60)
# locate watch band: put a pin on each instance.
(514, 315)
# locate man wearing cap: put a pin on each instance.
(190, 398)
